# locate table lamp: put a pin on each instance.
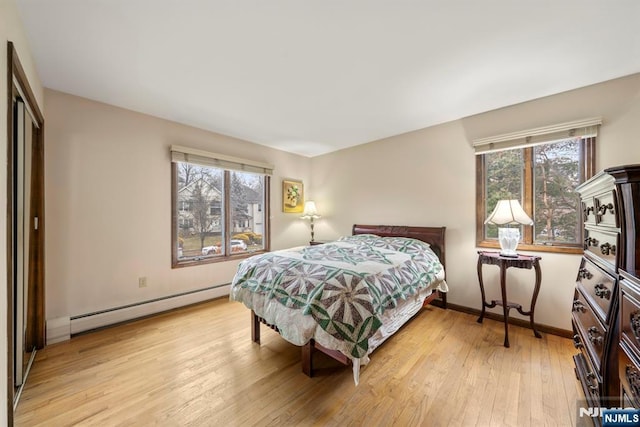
(508, 212)
(310, 213)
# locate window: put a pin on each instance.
(185, 205)
(541, 168)
(185, 222)
(217, 209)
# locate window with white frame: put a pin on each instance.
(541, 168)
(217, 204)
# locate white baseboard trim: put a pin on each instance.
(112, 316)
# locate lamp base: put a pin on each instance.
(508, 238)
(509, 255)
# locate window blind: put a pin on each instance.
(577, 129)
(205, 158)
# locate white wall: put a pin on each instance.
(10, 30)
(427, 178)
(108, 205)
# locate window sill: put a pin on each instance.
(214, 259)
(534, 248)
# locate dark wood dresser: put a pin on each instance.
(627, 184)
(595, 312)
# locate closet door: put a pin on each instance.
(22, 228)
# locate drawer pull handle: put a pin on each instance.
(587, 210)
(607, 249)
(633, 377)
(590, 377)
(578, 306)
(594, 335)
(602, 291)
(634, 321)
(603, 209)
(583, 273)
(590, 241)
(577, 343)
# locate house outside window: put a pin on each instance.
(215, 209)
(541, 168)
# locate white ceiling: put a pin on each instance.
(314, 76)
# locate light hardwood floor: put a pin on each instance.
(197, 366)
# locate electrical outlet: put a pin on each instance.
(142, 282)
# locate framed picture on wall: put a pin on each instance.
(292, 196)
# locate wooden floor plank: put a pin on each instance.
(197, 366)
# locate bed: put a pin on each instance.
(344, 298)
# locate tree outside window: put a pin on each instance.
(556, 206)
(543, 178)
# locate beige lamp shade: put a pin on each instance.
(310, 210)
(508, 212)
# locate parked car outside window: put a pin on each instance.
(211, 250)
(236, 246)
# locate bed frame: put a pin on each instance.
(432, 235)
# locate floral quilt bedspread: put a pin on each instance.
(345, 285)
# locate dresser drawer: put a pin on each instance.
(598, 286)
(630, 313)
(629, 375)
(605, 210)
(591, 331)
(602, 244)
(588, 379)
(579, 344)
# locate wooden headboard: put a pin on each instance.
(434, 236)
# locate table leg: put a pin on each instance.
(534, 298)
(536, 265)
(505, 305)
(484, 304)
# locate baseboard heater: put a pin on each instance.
(102, 318)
